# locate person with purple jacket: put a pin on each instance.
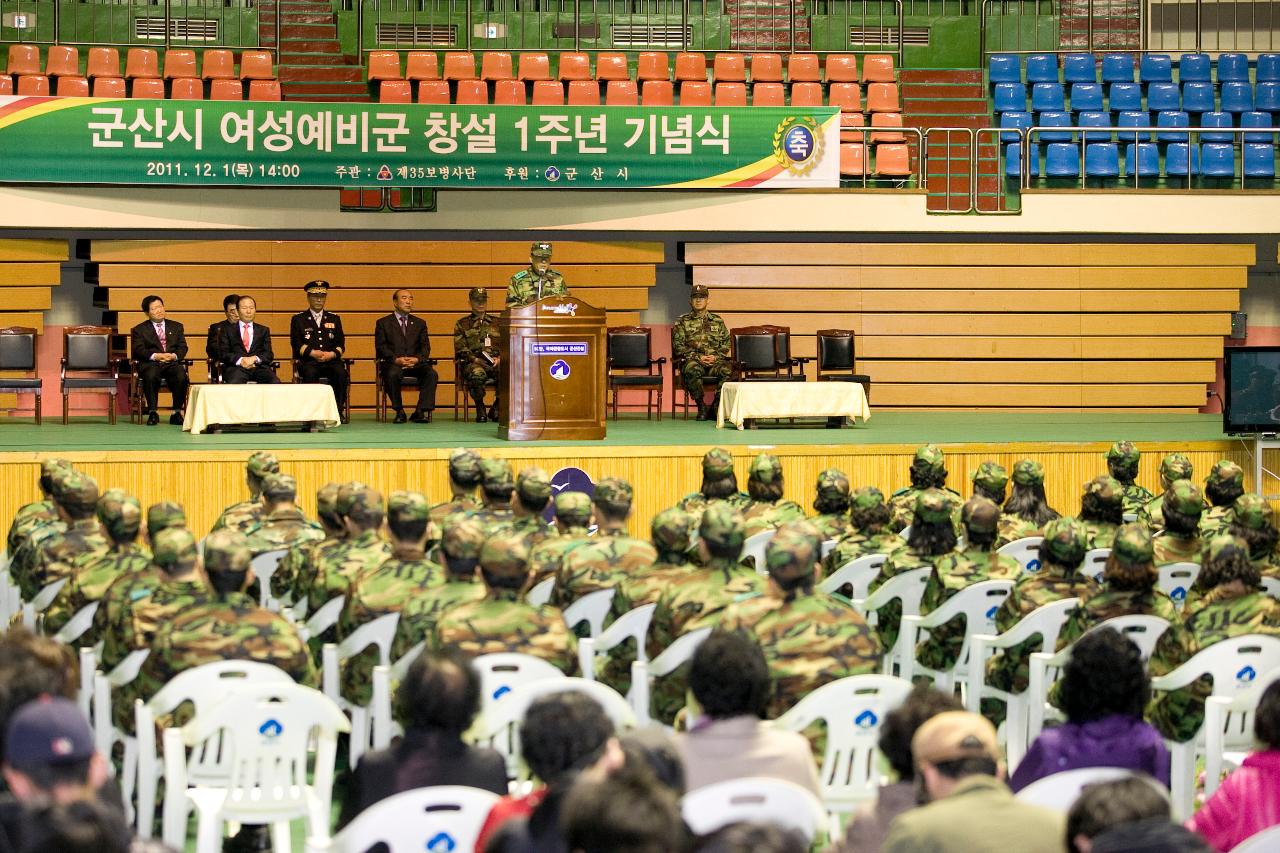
(1103, 692)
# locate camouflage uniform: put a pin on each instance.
(832, 485)
(1185, 498)
(954, 572)
(762, 515)
(1216, 519)
(1250, 511)
(33, 515)
(533, 486)
(609, 557)
(1173, 467)
(243, 515)
(990, 479)
(475, 336)
(338, 566)
(717, 464)
(38, 531)
(523, 287)
(495, 477)
(1134, 497)
(573, 515)
(695, 334)
(1011, 528)
(284, 527)
(419, 614)
(464, 469)
(902, 503)
(932, 506)
(1100, 534)
(298, 561)
(502, 621)
(51, 560)
(859, 543)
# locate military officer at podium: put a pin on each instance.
(159, 347)
(539, 280)
(700, 349)
(475, 348)
(318, 343)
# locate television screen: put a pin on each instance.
(1252, 403)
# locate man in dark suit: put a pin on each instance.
(213, 344)
(318, 342)
(246, 348)
(159, 347)
(401, 344)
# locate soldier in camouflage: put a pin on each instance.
(928, 471)
(957, 570)
(573, 522)
(612, 554)
(537, 281)
(700, 351)
(241, 516)
(1232, 606)
(1174, 467)
(496, 489)
(1179, 542)
(1224, 484)
(932, 536)
(283, 523)
(389, 586)
(719, 483)
(51, 559)
(1102, 510)
(38, 513)
(1122, 463)
(869, 531)
(1026, 512)
(502, 621)
(299, 561)
(475, 349)
(138, 583)
(1251, 521)
(362, 510)
(37, 529)
(768, 508)
(464, 479)
(1128, 587)
(990, 479)
(533, 493)
(832, 504)
(459, 556)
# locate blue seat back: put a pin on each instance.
(1143, 158)
(1054, 118)
(1268, 67)
(1086, 96)
(1259, 160)
(1233, 67)
(1163, 96)
(1062, 160)
(1010, 97)
(1195, 67)
(1181, 159)
(1095, 119)
(1155, 68)
(1172, 118)
(1257, 119)
(1124, 96)
(1131, 118)
(1014, 121)
(1266, 96)
(1237, 97)
(1117, 68)
(1004, 68)
(1197, 96)
(1102, 160)
(1216, 120)
(1047, 96)
(1218, 160)
(1042, 68)
(1079, 68)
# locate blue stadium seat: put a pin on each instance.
(1194, 68)
(1054, 119)
(1144, 158)
(1233, 67)
(1086, 96)
(1257, 119)
(1259, 160)
(1097, 119)
(1015, 121)
(1266, 96)
(1042, 68)
(1218, 160)
(1010, 97)
(1216, 120)
(1079, 68)
(1117, 68)
(1172, 118)
(1047, 96)
(1134, 118)
(1237, 97)
(1268, 68)
(1163, 96)
(1124, 96)
(1176, 162)
(1155, 68)
(1197, 96)
(1004, 68)
(1102, 160)
(1013, 161)
(1062, 160)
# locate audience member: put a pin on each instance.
(1154, 835)
(83, 826)
(464, 479)
(610, 556)
(990, 480)
(283, 523)
(767, 508)
(1105, 805)
(628, 811)
(869, 531)
(1174, 467)
(928, 471)
(933, 534)
(295, 570)
(32, 666)
(1122, 464)
(1179, 541)
(719, 483)
(1251, 521)
(1027, 510)
(656, 749)
(244, 514)
(573, 528)
(363, 511)
(1101, 511)
(831, 503)
(460, 554)
(754, 837)
(46, 560)
(497, 486)
(1224, 484)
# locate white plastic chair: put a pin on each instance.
(88, 663)
(908, 588)
(1267, 841)
(380, 633)
(643, 672)
(853, 709)
(105, 733)
(204, 687)
(1094, 563)
(978, 603)
(753, 548)
(633, 625)
(1228, 729)
(1059, 790)
(266, 729)
(446, 817)
(325, 617)
(500, 673)
(1234, 665)
(40, 603)
(828, 545)
(383, 727)
(905, 533)
(80, 621)
(540, 593)
(1047, 621)
(1025, 550)
(263, 567)
(1176, 579)
(754, 798)
(10, 601)
(1271, 586)
(592, 608)
(858, 573)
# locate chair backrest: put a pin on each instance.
(1260, 842)
(377, 633)
(633, 625)
(1059, 790)
(858, 574)
(540, 593)
(753, 548)
(907, 587)
(325, 617)
(1094, 562)
(853, 709)
(753, 348)
(1234, 665)
(1271, 586)
(77, 624)
(87, 347)
(754, 798)
(1228, 725)
(263, 567)
(503, 672)
(781, 345)
(446, 817)
(629, 347)
(835, 350)
(208, 684)
(978, 603)
(17, 348)
(1176, 579)
(592, 608)
(1026, 551)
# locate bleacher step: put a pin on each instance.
(320, 74)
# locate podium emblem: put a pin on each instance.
(559, 369)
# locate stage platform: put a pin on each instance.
(661, 459)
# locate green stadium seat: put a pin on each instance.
(142, 63)
(224, 89)
(583, 93)
(695, 93)
(612, 66)
(147, 87)
(218, 64)
(433, 92)
(731, 94)
(103, 62)
(877, 68)
(509, 92)
(768, 95)
(729, 68)
(806, 94)
(574, 65)
(547, 93)
(534, 66)
(108, 87)
(395, 91)
(657, 93)
(180, 64)
(766, 68)
(384, 65)
(256, 65)
(421, 65)
(690, 66)
(842, 68)
(496, 65)
(24, 59)
(803, 68)
(264, 90)
(621, 93)
(62, 61)
(652, 65)
(459, 65)
(72, 87)
(186, 89)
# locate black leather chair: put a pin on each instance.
(86, 351)
(836, 359)
(379, 393)
(630, 352)
(789, 367)
(753, 352)
(18, 352)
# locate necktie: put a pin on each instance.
(245, 336)
(404, 325)
(160, 333)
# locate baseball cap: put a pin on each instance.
(1028, 472)
(671, 530)
(723, 526)
(496, 473)
(163, 515)
(262, 463)
(408, 506)
(833, 484)
(1124, 450)
(766, 468)
(1065, 540)
(540, 250)
(533, 485)
(462, 538)
(980, 514)
(1252, 511)
(953, 735)
(1175, 466)
(505, 555)
(573, 508)
(717, 463)
(464, 466)
(930, 456)
(120, 513)
(932, 506)
(1106, 488)
(614, 494)
(1225, 471)
(867, 497)
(1132, 544)
(226, 550)
(991, 476)
(1184, 497)
(280, 486)
(47, 730)
(793, 551)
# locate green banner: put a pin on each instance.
(293, 144)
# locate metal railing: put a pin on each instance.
(967, 139)
(231, 24)
(998, 210)
(912, 180)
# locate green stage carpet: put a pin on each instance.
(20, 435)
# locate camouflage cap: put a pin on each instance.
(765, 468)
(74, 487)
(930, 456)
(573, 508)
(613, 492)
(722, 526)
(980, 514)
(1252, 511)
(477, 294)
(173, 546)
(505, 555)
(278, 487)
(1184, 497)
(226, 550)
(717, 463)
(1225, 471)
(534, 485)
(833, 484)
(1221, 542)
(932, 506)
(1105, 488)
(991, 476)
(408, 506)
(49, 466)
(699, 291)
(496, 473)
(463, 536)
(1175, 466)
(672, 531)
(540, 249)
(464, 465)
(1028, 472)
(1132, 544)
(793, 551)
(327, 499)
(261, 464)
(347, 493)
(163, 515)
(1065, 540)
(120, 513)
(1125, 451)
(866, 497)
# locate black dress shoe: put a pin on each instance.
(346, 419)
(481, 416)
(152, 418)
(400, 418)
(176, 419)
(421, 417)
(493, 413)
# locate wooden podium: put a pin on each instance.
(552, 371)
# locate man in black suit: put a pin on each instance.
(246, 348)
(401, 344)
(317, 340)
(159, 347)
(213, 344)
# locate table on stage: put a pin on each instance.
(741, 402)
(259, 404)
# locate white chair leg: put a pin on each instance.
(208, 832)
(1182, 779)
(146, 816)
(359, 733)
(129, 775)
(280, 840)
(1016, 730)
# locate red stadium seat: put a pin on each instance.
(62, 61)
(612, 66)
(186, 89)
(766, 68)
(547, 93)
(459, 65)
(534, 66)
(226, 90)
(853, 159)
(652, 65)
(729, 68)
(6, 84)
(657, 93)
(768, 95)
(848, 123)
(893, 161)
(471, 92)
(395, 92)
(621, 93)
(575, 65)
(509, 92)
(108, 87)
(142, 63)
(690, 66)
(878, 68)
(496, 65)
(73, 87)
(103, 62)
(846, 96)
(384, 65)
(433, 92)
(421, 65)
(584, 93)
(731, 94)
(264, 90)
(179, 64)
(256, 65)
(695, 93)
(24, 59)
(803, 68)
(887, 120)
(842, 68)
(33, 84)
(882, 98)
(806, 94)
(147, 87)
(218, 65)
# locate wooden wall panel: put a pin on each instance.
(806, 275)
(977, 254)
(373, 252)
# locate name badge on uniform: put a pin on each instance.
(306, 333)
(487, 341)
